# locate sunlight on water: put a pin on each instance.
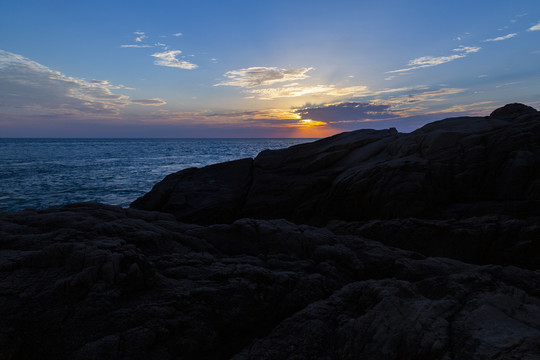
(42, 173)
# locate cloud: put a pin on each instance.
(403, 110)
(168, 58)
(467, 49)
(500, 38)
(253, 77)
(430, 95)
(140, 36)
(477, 108)
(177, 34)
(259, 76)
(136, 46)
(149, 102)
(29, 88)
(274, 114)
(347, 112)
(295, 91)
(535, 27)
(429, 61)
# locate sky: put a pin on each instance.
(259, 68)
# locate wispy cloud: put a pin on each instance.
(148, 102)
(274, 114)
(168, 58)
(296, 91)
(501, 38)
(262, 76)
(430, 61)
(535, 27)
(140, 36)
(177, 34)
(136, 46)
(507, 84)
(27, 87)
(429, 95)
(467, 49)
(329, 91)
(477, 108)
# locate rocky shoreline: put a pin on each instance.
(368, 244)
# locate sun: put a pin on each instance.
(309, 123)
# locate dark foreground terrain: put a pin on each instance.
(366, 245)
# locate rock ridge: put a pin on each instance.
(457, 167)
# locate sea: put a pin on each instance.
(43, 173)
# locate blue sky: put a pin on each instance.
(259, 68)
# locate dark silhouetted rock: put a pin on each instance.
(430, 250)
(513, 111)
(459, 167)
(91, 281)
(481, 240)
(209, 195)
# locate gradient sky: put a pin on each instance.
(259, 68)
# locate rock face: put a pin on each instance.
(460, 167)
(91, 281)
(430, 250)
(208, 195)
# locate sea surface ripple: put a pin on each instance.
(42, 173)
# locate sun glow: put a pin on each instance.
(309, 123)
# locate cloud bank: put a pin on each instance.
(27, 87)
(347, 112)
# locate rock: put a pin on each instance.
(429, 250)
(91, 281)
(209, 195)
(460, 167)
(480, 240)
(513, 111)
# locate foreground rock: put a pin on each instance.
(480, 240)
(91, 281)
(465, 188)
(454, 168)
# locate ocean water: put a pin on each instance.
(42, 173)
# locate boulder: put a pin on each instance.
(212, 194)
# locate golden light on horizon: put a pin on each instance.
(309, 123)
(309, 128)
